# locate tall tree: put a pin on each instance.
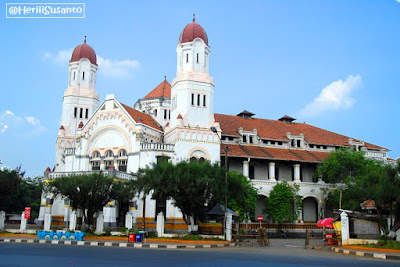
(87, 192)
(9, 181)
(283, 203)
(242, 195)
(365, 179)
(192, 186)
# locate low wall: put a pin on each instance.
(354, 241)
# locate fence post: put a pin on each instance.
(2, 219)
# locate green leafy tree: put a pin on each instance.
(123, 192)
(364, 179)
(192, 186)
(283, 203)
(87, 192)
(9, 182)
(242, 195)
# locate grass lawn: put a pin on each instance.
(390, 244)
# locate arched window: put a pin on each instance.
(202, 160)
(109, 154)
(95, 161)
(122, 153)
(193, 159)
(96, 154)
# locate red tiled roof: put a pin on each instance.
(369, 203)
(193, 31)
(162, 90)
(142, 117)
(84, 51)
(277, 130)
(274, 153)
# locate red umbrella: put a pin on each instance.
(327, 222)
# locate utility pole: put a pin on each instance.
(226, 149)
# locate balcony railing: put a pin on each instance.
(69, 151)
(111, 173)
(157, 147)
(306, 184)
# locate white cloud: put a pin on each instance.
(117, 68)
(4, 128)
(335, 96)
(108, 67)
(26, 126)
(32, 120)
(60, 58)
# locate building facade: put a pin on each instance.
(174, 121)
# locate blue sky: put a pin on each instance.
(333, 64)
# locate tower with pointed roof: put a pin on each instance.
(80, 99)
(192, 97)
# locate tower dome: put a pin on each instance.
(84, 51)
(192, 31)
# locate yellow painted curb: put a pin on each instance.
(372, 249)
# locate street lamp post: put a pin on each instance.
(226, 148)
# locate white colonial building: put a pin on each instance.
(174, 120)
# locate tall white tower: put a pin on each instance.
(192, 98)
(80, 100)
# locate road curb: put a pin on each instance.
(372, 254)
(115, 244)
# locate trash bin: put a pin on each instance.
(139, 238)
(131, 238)
(329, 239)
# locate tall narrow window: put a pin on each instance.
(197, 60)
(198, 100)
(244, 139)
(155, 113)
(187, 58)
(83, 75)
(87, 113)
(165, 113)
(250, 139)
(81, 113)
(169, 114)
(192, 99)
(75, 111)
(204, 100)
(74, 75)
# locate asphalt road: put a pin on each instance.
(21, 254)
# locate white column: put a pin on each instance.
(271, 167)
(72, 221)
(116, 165)
(228, 227)
(47, 221)
(102, 166)
(2, 219)
(345, 228)
(99, 223)
(42, 209)
(296, 172)
(160, 224)
(67, 212)
(246, 168)
(129, 220)
(23, 222)
(110, 215)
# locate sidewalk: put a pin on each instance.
(117, 242)
(361, 251)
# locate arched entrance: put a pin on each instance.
(310, 210)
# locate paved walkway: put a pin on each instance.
(361, 252)
(113, 242)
